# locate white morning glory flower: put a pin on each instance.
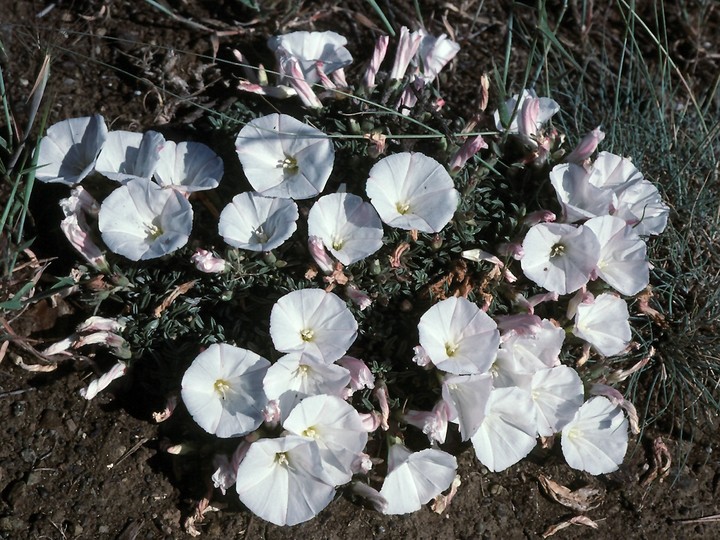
(222, 390)
(140, 220)
(309, 48)
(557, 393)
(508, 432)
(412, 191)
(348, 226)
(559, 257)
(256, 223)
(337, 429)
(282, 480)
(596, 439)
(458, 336)
(638, 201)
(282, 157)
(623, 260)
(414, 478)
(604, 323)
(467, 397)
(296, 376)
(188, 167)
(434, 54)
(579, 198)
(67, 153)
(127, 155)
(314, 322)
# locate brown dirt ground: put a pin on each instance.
(84, 470)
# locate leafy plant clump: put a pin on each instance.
(379, 283)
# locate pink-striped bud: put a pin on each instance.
(586, 147)
(470, 147)
(321, 257)
(378, 56)
(406, 50)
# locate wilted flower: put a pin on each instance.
(257, 223)
(412, 191)
(414, 478)
(188, 167)
(433, 424)
(408, 44)
(434, 54)
(67, 153)
(596, 439)
(99, 384)
(458, 336)
(348, 226)
(283, 480)
(314, 322)
(205, 261)
(127, 155)
(222, 390)
(282, 157)
(141, 221)
(559, 257)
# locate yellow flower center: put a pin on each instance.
(289, 165)
(307, 335)
(558, 250)
(222, 387)
(451, 349)
(281, 459)
(338, 244)
(310, 432)
(402, 208)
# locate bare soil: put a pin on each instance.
(75, 469)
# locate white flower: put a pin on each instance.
(578, 197)
(188, 167)
(67, 153)
(557, 393)
(336, 428)
(282, 157)
(508, 432)
(414, 478)
(222, 390)
(309, 48)
(314, 322)
(140, 220)
(256, 223)
(282, 480)
(638, 201)
(412, 191)
(604, 323)
(434, 54)
(296, 376)
(596, 439)
(467, 397)
(127, 155)
(559, 257)
(458, 336)
(623, 260)
(348, 226)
